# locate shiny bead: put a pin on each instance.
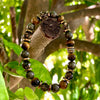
(69, 75)
(35, 20)
(27, 40)
(44, 87)
(55, 87)
(30, 75)
(70, 43)
(26, 64)
(60, 18)
(63, 84)
(27, 36)
(53, 14)
(29, 32)
(25, 54)
(70, 49)
(68, 35)
(30, 26)
(71, 56)
(35, 82)
(25, 45)
(71, 65)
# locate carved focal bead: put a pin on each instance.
(70, 43)
(68, 35)
(44, 87)
(55, 87)
(26, 64)
(35, 82)
(63, 84)
(69, 75)
(25, 45)
(60, 18)
(30, 26)
(71, 65)
(71, 57)
(30, 75)
(35, 20)
(25, 54)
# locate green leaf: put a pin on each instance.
(40, 71)
(17, 49)
(3, 90)
(55, 96)
(30, 95)
(1, 68)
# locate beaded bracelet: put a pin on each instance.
(25, 54)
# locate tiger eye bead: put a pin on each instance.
(44, 87)
(35, 20)
(69, 75)
(71, 65)
(71, 57)
(25, 45)
(30, 75)
(26, 64)
(63, 84)
(70, 43)
(30, 26)
(25, 54)
(60, 18)
(35, 82)
(68, 35)
(55, 87)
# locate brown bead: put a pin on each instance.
(55, 87)
(70, 43)
(25, 54)
(26, 64)
(63, 84)
(30, 32)
(35, 20)
(27, 36)
(69, 75)
(25, 45)
(44, 87)
(30, 75)
(60, 18)
(71, 56)
(27, 40)
(35, 82)
(71, 65)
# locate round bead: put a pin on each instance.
(27, 36)
(25, 54)
(60, 18)
(69, 75)
(55, 87)
(44, 87)
(35, 20)
(68, 35)
(26, 64)
(25, 45)
(35, 82)
(71, 56)
(63, 84)
(29, 32)
(71, 65)
(70, 43)
(30, 26)
(30, 75)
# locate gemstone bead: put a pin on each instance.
(69, 75)
(29, 32)
(63, 84)
(55, 87)
(60, 18)
(70, 43)
(70, 49)
(44, 87)
(53, 14)
(26, 64)
(27, 36)
(35, 82)
(71, 57)
(68, 35)
(30, 75)
(71, 65)
(30, 26)
(25, 45)
(35, 20)
(25, 54)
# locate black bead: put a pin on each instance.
(30, 26)
(70, 43)
(44, 87)
(29, 32)
(30, 75)
(26, 64)
(35, 82)
(71, 65)
(71, 57)
(69, 75)
(25, 54)
(68, 35)
(55, 87)
(25, 45)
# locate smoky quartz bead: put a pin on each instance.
(26, 64)
(63, 84)
(25, 54)
(30, 75)
(30, 26)
(69, 75)
(71, 65)
(70, 43)
(35, 82)
(55, 87)
(44, 87)
(25, 45)
(71, 57)
(68, 35)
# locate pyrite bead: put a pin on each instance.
(25, 45)
(25, 54)
(68, 35)
(69, 75)
(71, 57)
(35, 82)
(70, 43)
(63, 84)
(30, 26)
(70, 49)
(55, 87)
(44, 87)
(71, 65)
(26, 64)
(30, 75)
